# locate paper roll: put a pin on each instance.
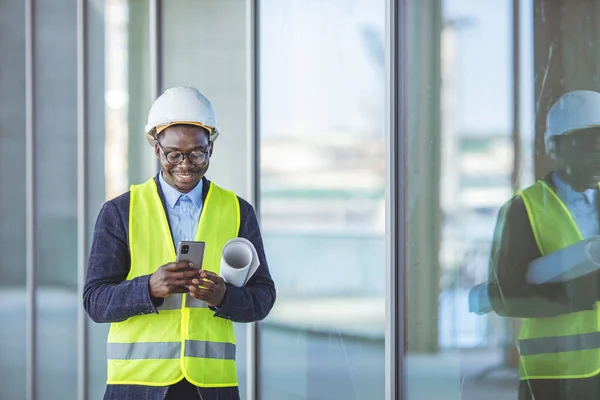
(592, 249)
(239, 261)
(572, 262)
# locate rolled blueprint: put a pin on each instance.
(239, 261)
(563, 265)
(566, 264)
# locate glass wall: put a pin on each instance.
(55, 114)
(104, 160)
(322, 181)
(12, 199)
(128, 58)
(459, 155)
(480, 80)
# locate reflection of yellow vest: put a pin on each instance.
(184, 339)
(568, 345)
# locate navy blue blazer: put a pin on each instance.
(109, 297)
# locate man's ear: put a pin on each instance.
(210, 150)
(157, 150)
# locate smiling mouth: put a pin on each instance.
(188, 177)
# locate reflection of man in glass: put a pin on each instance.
(559, 341)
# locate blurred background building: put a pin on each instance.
(77, 78)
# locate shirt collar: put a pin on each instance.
(567, 193)
(172, 195)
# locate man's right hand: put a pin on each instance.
(172, 278)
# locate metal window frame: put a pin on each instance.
(82, 199)
(395, 311)
(155, 38)
(30, 206)
(253, 147)
(516, 111)
(155, 26)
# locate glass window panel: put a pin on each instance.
(459, 174)
(55, 72)
(12, 200)
(102, 29)
(475, 142)
(128, 94)
(322, 197)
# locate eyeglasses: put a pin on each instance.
(196, 157)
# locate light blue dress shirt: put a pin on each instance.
(582, 205)
(184, 210)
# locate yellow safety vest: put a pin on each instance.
(568, 345)
(184, 339)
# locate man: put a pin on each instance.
(559, 341)
(171, 334)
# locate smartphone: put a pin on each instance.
(191, 251)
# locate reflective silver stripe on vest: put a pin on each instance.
(191, 302)
(173, 302)
(169, 350)
(559, 344)
(143, 350)
(201, 349)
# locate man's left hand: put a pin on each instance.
(210, 288)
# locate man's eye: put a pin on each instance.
(174, 156)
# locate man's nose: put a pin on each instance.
(186, 161)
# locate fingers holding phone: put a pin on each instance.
(172, 278)
(176, 277)
(208, 287)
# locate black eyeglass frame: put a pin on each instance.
(205, 155)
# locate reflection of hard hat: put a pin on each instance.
(181, 105)
(579, 109)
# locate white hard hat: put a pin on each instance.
(181, 105)
(579, 109)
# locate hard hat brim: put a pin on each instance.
(548, 135)
(550, 139)
(584, 128)
(161, 128)
(152, 141)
